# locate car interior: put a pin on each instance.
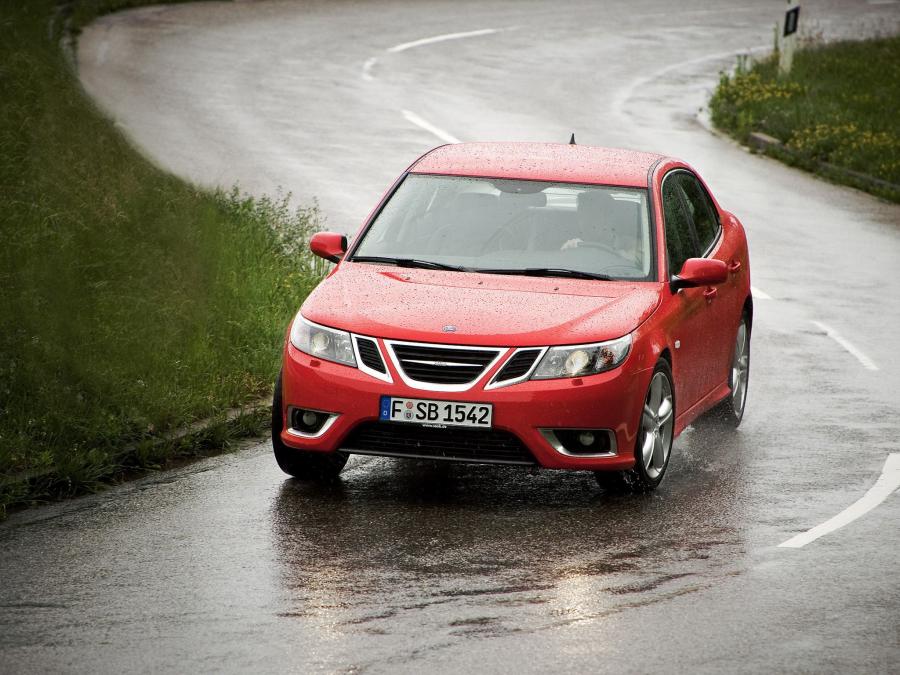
(496, 223)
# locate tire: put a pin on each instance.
(311, 466)
(653, 446)
(730, 411)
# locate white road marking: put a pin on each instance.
(758, 294)
(367, 69)
(625, 93)
(883, 2)
(429, 127)
(402, 47)
(441, 38)
(867, 363)
(887, 482)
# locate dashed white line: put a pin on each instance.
(441, 38)
(403, 46)
(867, 363)
(367, 69)
(429, 127)
(758, 294)
(887, 482)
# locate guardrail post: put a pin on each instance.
(788, 37)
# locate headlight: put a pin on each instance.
(322, 342)
(582, 359)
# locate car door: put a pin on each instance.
(722, 301)
(689, 311)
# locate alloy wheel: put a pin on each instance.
(657, 424)
(740, 370)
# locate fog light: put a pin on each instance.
(586, 442)
(307, 421)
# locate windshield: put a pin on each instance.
(505, 226)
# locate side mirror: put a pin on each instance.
(328, 245)
(699, 272)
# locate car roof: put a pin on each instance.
(540, 161)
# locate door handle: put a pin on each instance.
(710, 293)
(734, 266)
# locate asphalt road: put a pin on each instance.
(411, 567)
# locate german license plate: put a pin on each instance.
(435, 413)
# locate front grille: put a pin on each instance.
(368, 353)
(518, 365)
(488, 446)
(443, 365)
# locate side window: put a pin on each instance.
(702, 210)
(679, 238)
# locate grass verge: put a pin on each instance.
(131, 303)
(835, 114)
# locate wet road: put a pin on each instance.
(225, 565)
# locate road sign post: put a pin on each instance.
(788, 37)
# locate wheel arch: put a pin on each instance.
(667, 355)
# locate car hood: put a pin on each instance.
(477, 309)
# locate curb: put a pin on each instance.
(23, 482)
(766, 144)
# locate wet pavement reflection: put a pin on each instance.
(414, 547)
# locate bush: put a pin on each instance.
(836, 106)
(132, 303)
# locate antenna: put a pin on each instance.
(572, 140)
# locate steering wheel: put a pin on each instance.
(598, 245)
(504, 229)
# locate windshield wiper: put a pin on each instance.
(547, 272)
(408, 262)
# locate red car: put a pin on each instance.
(562, 306)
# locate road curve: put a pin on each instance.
(406, 567)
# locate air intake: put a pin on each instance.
(518, 365)
(369, 354)
(484, 446)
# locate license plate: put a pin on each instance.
(435, 413)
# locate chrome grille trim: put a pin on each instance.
(449, 364)
(386, 375)
(494, 354)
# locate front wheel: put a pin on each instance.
(654, 441)
(312, 466)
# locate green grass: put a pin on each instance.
(131, 303)
(838, 105)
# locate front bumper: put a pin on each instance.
(612, 400)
